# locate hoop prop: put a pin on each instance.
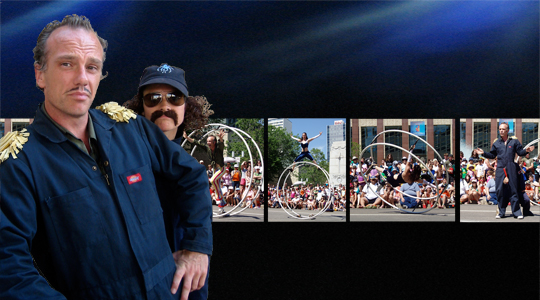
(292, 213)
(528, 145)
(439, 192)
(241, 134)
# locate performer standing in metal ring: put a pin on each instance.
(304, 143)
(506, 176)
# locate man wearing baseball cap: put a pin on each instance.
(163, 98)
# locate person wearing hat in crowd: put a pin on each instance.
(236, 175)
(369, 198)
(528, 164)
(470, 171)
(355, 161)
(504, 149)
(80, 216)
(163, 98)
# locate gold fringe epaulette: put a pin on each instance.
(12, 143)
(117, 112)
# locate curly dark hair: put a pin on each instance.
(196, 112)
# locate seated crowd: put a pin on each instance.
(368, 185)
(235, 185)
(308, 197)
(477, 183)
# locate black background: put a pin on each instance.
(440, 59)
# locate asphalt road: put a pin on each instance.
(486, 213)
(279, 215)
(248, 215)
(395, 215)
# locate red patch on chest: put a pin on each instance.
(134, 178)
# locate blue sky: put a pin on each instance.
(312, 127)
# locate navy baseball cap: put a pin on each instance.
(165, 74)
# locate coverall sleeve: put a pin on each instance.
(519, 149)
(19, 279)
(191, 195)
(492, 153)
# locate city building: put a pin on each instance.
(437, 132)
(335, 133)
(8, 125)
(480, 133)
(282, 123)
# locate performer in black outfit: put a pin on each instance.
(506, 176)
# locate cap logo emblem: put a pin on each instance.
(165, 68)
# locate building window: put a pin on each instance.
(1, 129)
(367, 134)
(442, 139)
(530, 133)
(393, 138)
(481, 136)
(18, 126)
(462, 133)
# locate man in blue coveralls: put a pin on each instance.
(80, 217)
(506, 176)
(163, 98)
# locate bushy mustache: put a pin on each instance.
(168, 113)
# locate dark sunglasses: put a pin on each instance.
(154, 99)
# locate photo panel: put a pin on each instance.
(499, 170)
(307, 170)
(402, 170)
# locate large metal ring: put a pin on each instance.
(439, 192)
(284, 202)
(240, 133)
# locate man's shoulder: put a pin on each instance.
(116, 112)
(12, 144)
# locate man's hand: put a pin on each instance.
(505, 181)
(530, 149)
(479, 151)
(221, 134)
(192, 267)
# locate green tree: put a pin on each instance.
(282, 150)
(312, 174)
(253, 127)
(355, 149)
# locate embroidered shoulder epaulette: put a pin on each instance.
(12, 143)
(117, 112)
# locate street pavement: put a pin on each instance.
(486, 213)
(279, 215)
(248, 215)
(395, 215)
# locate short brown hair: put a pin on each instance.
(73, 21)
